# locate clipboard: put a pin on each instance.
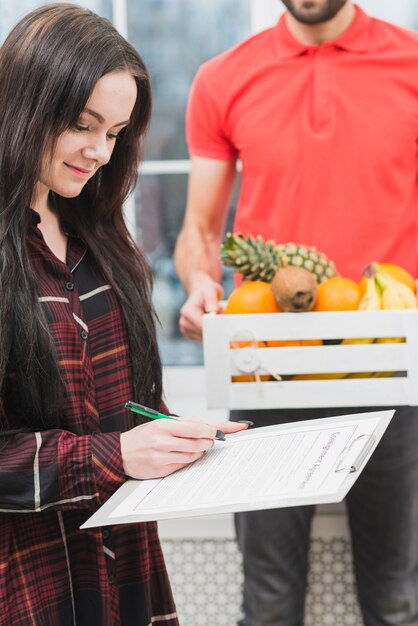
(309, 462)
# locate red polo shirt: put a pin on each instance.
(327, 136)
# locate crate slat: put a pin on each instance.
(345, 358)
(326, 393)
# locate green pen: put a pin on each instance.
(155, 415)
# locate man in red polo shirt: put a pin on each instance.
(322, 111)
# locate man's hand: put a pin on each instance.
(159, 448)
(204, 298)
(196, 255)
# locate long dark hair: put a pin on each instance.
(49, 65)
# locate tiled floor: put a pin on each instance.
(206, 571)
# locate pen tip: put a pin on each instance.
(220, 435)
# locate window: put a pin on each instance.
(12, 12)
(403, 13)
(174, 38)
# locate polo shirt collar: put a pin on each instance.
(355, 39)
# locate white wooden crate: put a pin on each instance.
(222, 362)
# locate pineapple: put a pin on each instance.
(257, 259)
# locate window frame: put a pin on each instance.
(262, 14)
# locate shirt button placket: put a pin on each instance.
(322, 90)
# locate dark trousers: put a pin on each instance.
(383, 517)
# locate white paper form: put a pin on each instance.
(262, 468)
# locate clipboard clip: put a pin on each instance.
(368, 442)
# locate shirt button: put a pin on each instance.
(84, 334)
(69, 286)
(111, 580)
(106, 534)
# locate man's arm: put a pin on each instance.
(197, 251)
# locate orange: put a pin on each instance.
(395, 271)
(252, 297)
(338, 294)
(249, 378)
(359, 340)
(235, 345)
(276, 343)
(311, 342)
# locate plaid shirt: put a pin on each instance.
(51, 572)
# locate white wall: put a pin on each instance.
(264, 13)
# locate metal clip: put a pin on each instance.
(358, 461)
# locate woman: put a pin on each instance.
(77, 330)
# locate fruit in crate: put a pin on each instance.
(396, 271)
(309, 258)
(252, 297)
(328, 376)
(284, 343)
(294, 288)
(393, 293)
(257, 259)
(250, 378)
(370, 301)
(338, 294)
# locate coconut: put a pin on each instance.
(294, 288)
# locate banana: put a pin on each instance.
(384, 374)
(371, 375)
(391, 340)
(360, 340)
(361, 375)
(395, 295)
(330, 376)
(371, 300)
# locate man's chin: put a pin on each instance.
(311, 14)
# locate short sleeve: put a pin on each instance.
(205, 125)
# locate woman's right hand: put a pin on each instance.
(160, 447)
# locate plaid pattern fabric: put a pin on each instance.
(51, 572)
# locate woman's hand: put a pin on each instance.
(159, 448)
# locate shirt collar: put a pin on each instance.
(36, 219)
(355, 39)
(76, 248)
